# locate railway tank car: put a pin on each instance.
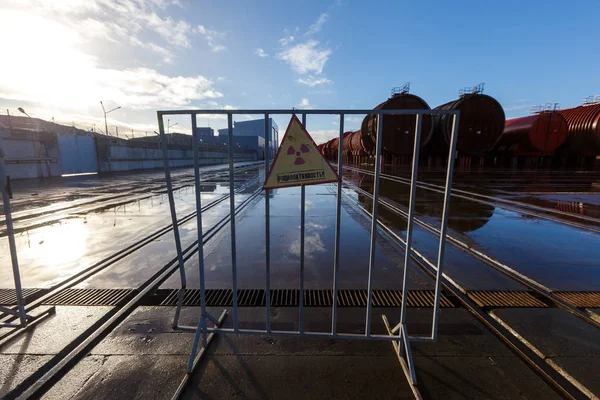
(584, 129)
(480, 127)
(398, 132)
(541, 133)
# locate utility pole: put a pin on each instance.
(105, 113)
(9, 124)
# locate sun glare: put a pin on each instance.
(48, 65)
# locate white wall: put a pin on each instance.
(125, 158)
(29, 155)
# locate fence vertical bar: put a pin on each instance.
(443, 228)
(165, 154)
(201, 328)
(336, 254)
(302, 235)
(267, 233)
(232, 218)
(374, 224)
(411, 210)
(195, 140)
(11, 243)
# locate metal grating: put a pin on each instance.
(9, 296)
(90, 297)
(505, 298)
(312, 298)
(580, 299)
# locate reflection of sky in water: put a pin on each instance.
(312, 241)
(53, 252)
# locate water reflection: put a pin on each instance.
(465, 215)
(312, 241)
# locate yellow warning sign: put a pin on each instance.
(298, 161)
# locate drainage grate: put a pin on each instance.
(90, 297)
(580, 299)
(8, 297)
(505, 298)
(312, 298)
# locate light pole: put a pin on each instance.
(169, 128)
(105, 113)
(36, 149)
(23, 111)
(169, 125)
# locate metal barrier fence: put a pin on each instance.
(19, 312)
(397, 334)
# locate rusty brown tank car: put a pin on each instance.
(584, 129)
(540, 133)
(398, 130)
(481, 123)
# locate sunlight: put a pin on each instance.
(57, 245)
(51, 68)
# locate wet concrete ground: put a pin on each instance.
(144, 358)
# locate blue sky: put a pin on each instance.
(67, 55)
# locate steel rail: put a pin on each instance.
(524, 280)
(439, 189)
(557, 381)
(117, 200)
(116, 256)
(40, 381)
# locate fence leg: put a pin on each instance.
(13, 247)
(165, 153)
(401, 348)
(195, 358)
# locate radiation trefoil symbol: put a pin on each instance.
(299, 160)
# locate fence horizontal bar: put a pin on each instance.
(322, 335)
(292, 111)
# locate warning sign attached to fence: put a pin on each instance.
(298, 161)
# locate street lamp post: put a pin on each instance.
(105, 113)
(36, 150)
(169, 125)
(169, 128)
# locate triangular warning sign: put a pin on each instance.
(298, 161)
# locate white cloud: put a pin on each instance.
(75, 80)
(174, 32)
(286, 40)
(356, 120)
(306, 57)
(211, 37)
(119, 22)
(322, 136)
(304, 103)
(261, 52)
(314, 81)
(318, 25)
(518, 107)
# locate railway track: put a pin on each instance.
(40, 381)
(558, 378)
(506, 270)
(507, 204)
(30, 219)
(110, 260)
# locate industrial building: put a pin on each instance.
(251, 134)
